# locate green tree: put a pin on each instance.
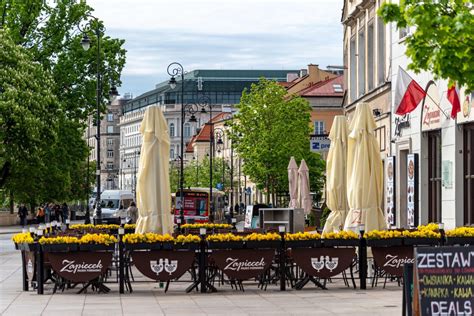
(268, 129)
(48, 33)
(441, 38)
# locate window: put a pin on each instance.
(187, 130)
(172, 130)
(370, 57)
(110, 166)
(381, 52)
(361, 62)
(172, 153)
(337, 87)
(319, 127)
(352, 69)
(110, 129)
(110, 153)
(110, 142)
(434, 176)
(110, 117)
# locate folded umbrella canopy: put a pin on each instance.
(293, 183)
(364, 173)
(153, 184)
(336, 185)
(304, 197)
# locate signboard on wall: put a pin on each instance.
(431, 115)
(320, 143)
(390, 214)
(467, 107)
(412, 190)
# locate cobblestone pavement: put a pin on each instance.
(149, 298)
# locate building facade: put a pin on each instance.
(110, 143)
(221, 89)
(366, 53)
(433, 154)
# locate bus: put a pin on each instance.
(196, 205)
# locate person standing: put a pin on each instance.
(65, 212)
(132, 212)
(40, 215)
(23, 214)
(47, 212)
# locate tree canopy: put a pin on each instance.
(47, 91)
(441, 38)
(268, 129)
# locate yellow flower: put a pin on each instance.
(340, 235)
(207, 226)
(23, 238)
(302, 236)
(224, 237)
(461, 232)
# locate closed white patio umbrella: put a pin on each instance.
(304, 196)
(364, 173)
(336, 185)
(153, 187)
(293, 183)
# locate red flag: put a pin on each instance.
(453, 98)
(408, 93)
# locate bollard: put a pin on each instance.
(282, 229)
(362, 258)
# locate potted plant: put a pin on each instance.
(225, 241)
(424, 235)
(383, 238)
(59, 243)
(189, 241)
(460, 236)
(97, 242)
(268, 240)
(303, 240)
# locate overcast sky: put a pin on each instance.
(220, 34)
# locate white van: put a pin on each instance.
(114, 205)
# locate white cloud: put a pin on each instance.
(222, 34)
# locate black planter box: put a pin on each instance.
(143, 246)
(60, 247)
(28, 247)
(167, 245)
(340, 242)
(459, 240)
(187, 245)
(263, 244)
(96, 247)
(421, 241)
(303, 243)
(387, 242)
(226, 245)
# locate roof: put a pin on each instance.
(329, 88)
(189, 146)
(204, 134)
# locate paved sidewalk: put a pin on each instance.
(149, 299)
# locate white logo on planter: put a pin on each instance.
(73, 267)
(169, 266)
(236, 265)
(324, 261)
(29, 266)
(395, 262)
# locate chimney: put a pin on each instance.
(313, 68)
(291, 76)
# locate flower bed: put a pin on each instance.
(303, 240)
(154, 241)
(88, 242)
(342, 238)
(460, 236)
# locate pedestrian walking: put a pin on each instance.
(57, 212)
(132, 212)
(47, 212)
(23, 214)
(40, 215)
(64, 212)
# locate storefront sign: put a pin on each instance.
(412, 190)
(80, 267)
(323, 262)
(320, 143)
(467, 107)
(243, 264)
(431, 114)
(392, 259)
(445, 280)
(390, 214)
(163, 265)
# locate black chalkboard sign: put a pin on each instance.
(445, 280)
(408, 287)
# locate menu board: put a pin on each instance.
(390, 215)
(195, 203)
(412, 190)
(445, 280)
